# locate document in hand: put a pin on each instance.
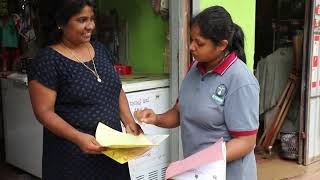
(208, 164)
(123, 147)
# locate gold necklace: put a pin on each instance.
(95, 72)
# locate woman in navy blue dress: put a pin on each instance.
(73, 86)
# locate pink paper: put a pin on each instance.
(211, 154)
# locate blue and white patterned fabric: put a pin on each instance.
(82, 102)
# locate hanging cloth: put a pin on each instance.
(10, 36)
(272, 74)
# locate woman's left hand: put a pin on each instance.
(133, 128)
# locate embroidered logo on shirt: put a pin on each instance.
(218, 97)
(221, 90)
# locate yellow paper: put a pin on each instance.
(126, 154)
(111, 138)
(123, 147)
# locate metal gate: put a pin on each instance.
(312, 83)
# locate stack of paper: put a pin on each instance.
(208, 164)
(123, 147)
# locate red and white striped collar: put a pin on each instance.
(222, 68)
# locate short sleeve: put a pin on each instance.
(241, 111)
(43, 69)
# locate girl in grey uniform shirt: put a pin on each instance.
(219, 96)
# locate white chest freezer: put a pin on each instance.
(24, 134)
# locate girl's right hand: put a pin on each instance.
(146, 115)
(88, 144)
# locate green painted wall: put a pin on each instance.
(147, 33)
(243, 13)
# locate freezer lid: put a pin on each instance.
(18, 77)
(144, 84)
(130, 83)
(143, 81)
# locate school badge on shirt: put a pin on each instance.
(219, 94)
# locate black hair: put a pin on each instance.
(55, 13)
(215, 23)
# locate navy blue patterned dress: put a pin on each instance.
(81, 101)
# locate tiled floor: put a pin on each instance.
(276, 168)
(8, 172)
(273, 168)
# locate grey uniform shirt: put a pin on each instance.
(220, 103)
